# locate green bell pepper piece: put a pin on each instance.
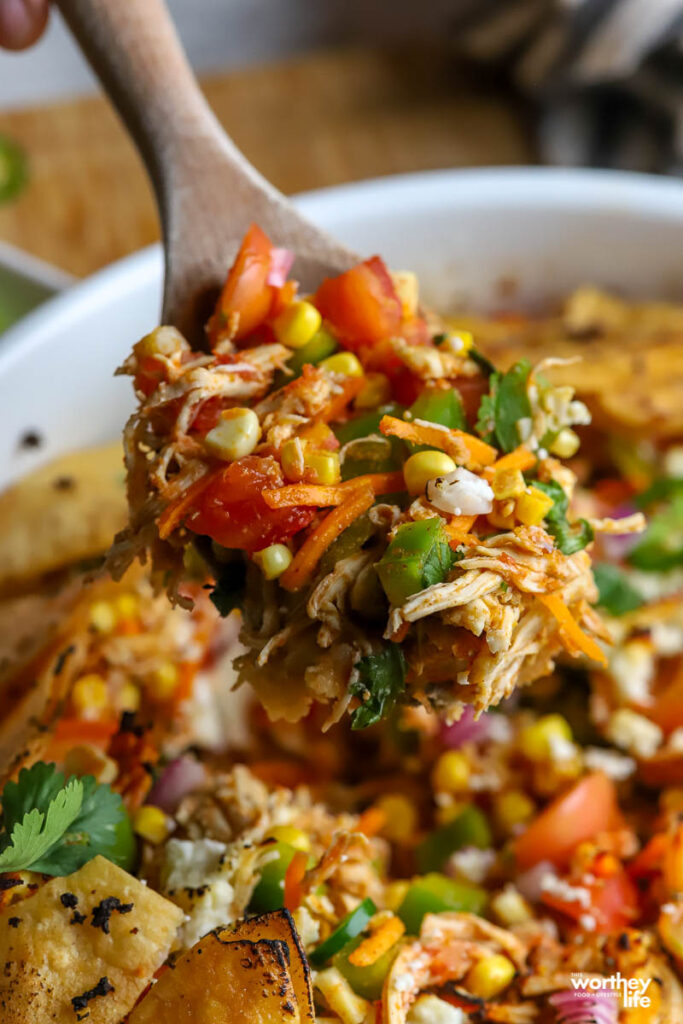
(434, 894)
(470, 828)
(269, 893)
(347, 543)
(417, 557)
(366, 982)
(347, 929)
(321, 345)
(440, 406)
(366, 423)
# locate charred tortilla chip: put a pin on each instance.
(58, 965)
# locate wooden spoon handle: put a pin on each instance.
(133, 47)
(206, 190)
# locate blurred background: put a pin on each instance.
(318, 93)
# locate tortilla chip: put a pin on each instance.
(220, 982)
(279, 926)
(50, 959)
(65, 512)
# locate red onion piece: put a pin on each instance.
(529, 882)
(581, 1006)
(179, 777)
(281, 261)
(465, 730)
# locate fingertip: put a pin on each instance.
(22, 22)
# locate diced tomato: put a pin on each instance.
(471, 391)
(361, 305)
(405, 386)
(231, 509)
(246, 290)
(208, 414)
(648, 863)
(590, 807)
(613, 902)
(283, 296)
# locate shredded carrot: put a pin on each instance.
(371, 821)
(176, 510)
(462, 446)
(316, 544)
(377, 944)
(521, 458)
(572, 635)
(336, 406)
(304, 494)
(327, 497)
(294, 876)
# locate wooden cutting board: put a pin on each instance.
(319, 120)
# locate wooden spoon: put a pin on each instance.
(206, 190)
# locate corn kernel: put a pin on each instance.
(235, 435)
(536, 741)
(490, 976)
(457, 343)
(394, 894)
(532, 507)
(85, 759)
(670, 928)
(129, 697)
(375, 391)
(407, 289)
(103, 616)
(343, 362)
(513, 808)
(151, 824)
(292, 459)
(291, 835)
(162, 341)
(448, 812)
(422, 467)
(498, 518)
(451, 773)
(508, 483)
(322, 467)
(566, 443)
(127, 606)
(319, 435)
(400, 817)
(510, 907)
(273, 560)
(296, 324)
(90, 694)
(163, 682)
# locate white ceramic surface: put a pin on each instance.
(462, 231)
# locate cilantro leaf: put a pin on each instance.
(380, 684)
(569, 537)
(661, 546)
(32, 838)
(54, 826)
(505, 405)
(616, 593)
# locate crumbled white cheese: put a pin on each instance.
(460, 490)
(472, 863)
(432, 1010)
(633, 732)
(673, 461)
(587, 922)
(667, 637)
(615, 766)
(555, 886)
(214, 908)
(561, 749)
(632, 667)
(188, 862)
